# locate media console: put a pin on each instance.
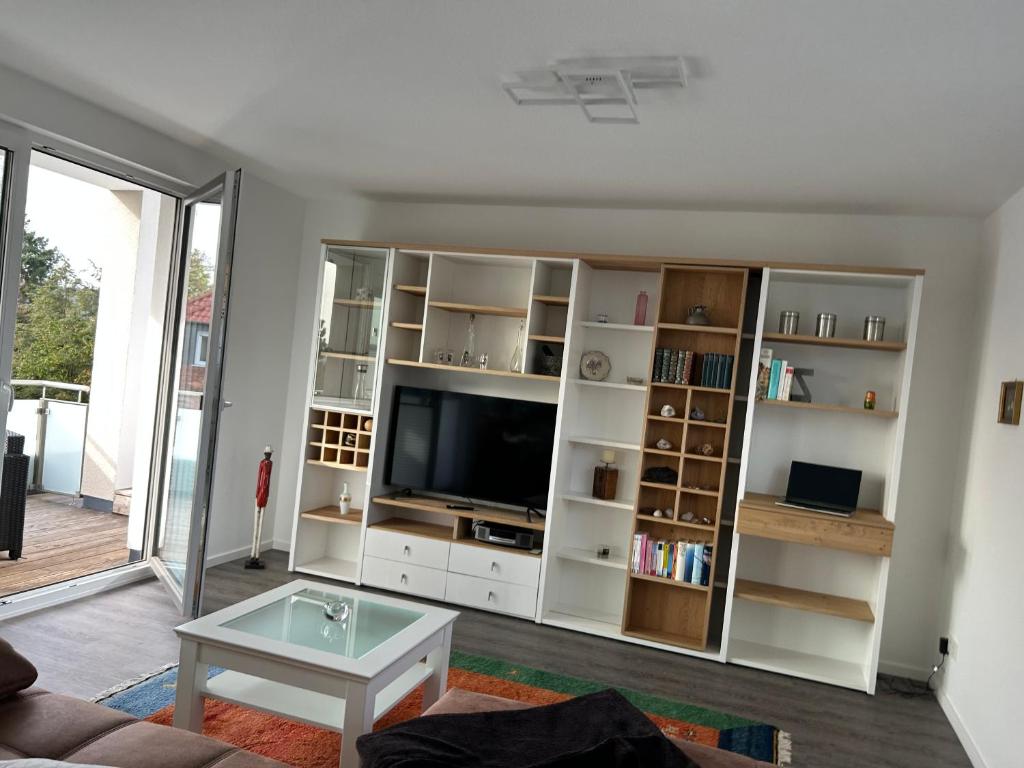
(697, 470)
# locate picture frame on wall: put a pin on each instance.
(1010, 397)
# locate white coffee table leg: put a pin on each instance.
(436, 685)
(188, 701)
(358, 720)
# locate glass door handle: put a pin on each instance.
(225, 404)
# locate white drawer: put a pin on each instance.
(496, 564)
(491, 595)
(402, 577)
(403, 548)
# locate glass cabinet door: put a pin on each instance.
(350, 334)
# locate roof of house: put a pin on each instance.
(199, 308)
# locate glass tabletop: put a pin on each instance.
(359, 626)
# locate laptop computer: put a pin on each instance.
(816, 487)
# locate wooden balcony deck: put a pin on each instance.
(63, 541)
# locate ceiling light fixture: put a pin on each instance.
(603, 87)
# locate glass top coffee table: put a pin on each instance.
(329, 656)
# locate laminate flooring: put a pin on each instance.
(85, 647)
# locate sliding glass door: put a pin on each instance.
(192, 403)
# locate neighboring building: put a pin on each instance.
(196, 342)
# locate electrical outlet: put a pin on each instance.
(944, 646)
(953, 647)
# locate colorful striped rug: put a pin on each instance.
(152, 698)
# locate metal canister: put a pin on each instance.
(789, 322)
(874, 328)
(826, 326)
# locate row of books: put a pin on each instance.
(688, 561)
(682, 366)
(774, 377)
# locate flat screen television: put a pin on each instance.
(472, 446)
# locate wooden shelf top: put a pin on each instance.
(590, 557)
(554, 301)
(865, 532)
(604, 442)
(881, 346)
(544, 337)
(416, 528)
(698, 328)
(694, 422)
(479, 511)
(414, 290)
(831, 408)
(611, 385)
(617, 326)
(333, 515)
(693, 387)
(584, 498)
(804, 600)
(408, 326)
(677, 523)
(479, 371)
(667, 638)
(364, 303)
(478, 309)
(332, 465)
(669, 582)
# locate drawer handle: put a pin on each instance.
(490, 597)
(404, 579)
(406, 551)
(494, 566)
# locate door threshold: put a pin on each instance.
(83, 586)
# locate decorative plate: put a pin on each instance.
(595, 366)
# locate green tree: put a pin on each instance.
(38, 257)
(200, 274)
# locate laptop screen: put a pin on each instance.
(819, 485)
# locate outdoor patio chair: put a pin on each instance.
(13, 491)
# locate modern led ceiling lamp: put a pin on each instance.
(605, 88)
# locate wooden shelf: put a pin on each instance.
(698, 328)
(660, 452)
(803, 600)
(692, 387)
(603, 443)
(677, 523)
(866, 532)
(479, 511)
(698, 491)
(669, 582)
(698, 457)
(822, 669)
(332, 515)
(349, 356)
(582, 498)
(831, 408)
(413, 290)
(363, 303)
(416, 528)
(680, 420)
(332, 465)
(548, 339)
(665, 638)
(589, 557)
(660, 486)
(552, 301)
(611, 385)
(881, 346)
(408, 326)
(479, 371)
(478, 309)
(330, 568)
(617, 326)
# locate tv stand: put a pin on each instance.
(445, 507)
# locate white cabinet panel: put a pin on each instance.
(496, 564)
(403, 548)
(401, 577)
(491, 595)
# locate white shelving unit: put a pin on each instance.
(816, 611)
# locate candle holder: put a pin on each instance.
(606, 477)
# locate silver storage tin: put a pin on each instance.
(826, 326)
(789, 322)
(874, 328)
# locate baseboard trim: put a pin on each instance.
(47, 597)
(234, 554)
(968, 743)
(899, 669)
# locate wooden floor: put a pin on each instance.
(63, 541)
(88, 646)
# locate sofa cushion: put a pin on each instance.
(16, 672)
(43, 724)
(163, 747)
(457, 700)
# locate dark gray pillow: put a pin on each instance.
(16, 672)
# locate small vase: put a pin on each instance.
(640, 315)
(344, 500)
(515, 365)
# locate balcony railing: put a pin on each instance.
(54, 430)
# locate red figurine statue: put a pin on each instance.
(262, 496)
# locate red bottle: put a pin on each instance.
(640, 316)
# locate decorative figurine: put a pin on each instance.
(687, 516)
(595, 365)
(870, 399)
(606, 478)
(636, 381)
(602, 318)
(345, 500)
(603, 553)
(262, 496)
(516, 363)
(658, 513)
(469, 351)
(336, 610)
(668, 411)
(640, 315)
(482, 362)
(664, 445)
(698, 315)
(368, 425)
(696, 414)
(705, 449)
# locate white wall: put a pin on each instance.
(982, 680)
(948, 248)
(261, 322)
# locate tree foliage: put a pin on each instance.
(200, 274)
(56, 320)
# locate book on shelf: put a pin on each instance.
(787, 383)
(687, 561)
(683, 366)
(764, 372)
(773, 379)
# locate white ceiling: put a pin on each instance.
(873, 105)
